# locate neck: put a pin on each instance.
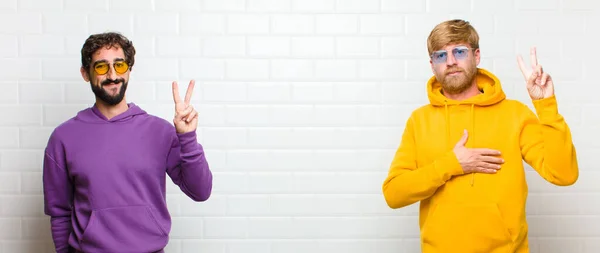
(110, 111)
(472, 91)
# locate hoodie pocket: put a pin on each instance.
(118, 229)
(466, 228)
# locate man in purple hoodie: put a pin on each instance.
(105, 169)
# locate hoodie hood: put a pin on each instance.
(487, 82)
(492, 94)
(93, 115)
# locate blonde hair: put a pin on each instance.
(452, 32)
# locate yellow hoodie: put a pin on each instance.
(477, 212)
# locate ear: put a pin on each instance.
(84, 74)
(431, 64)
(477, 56)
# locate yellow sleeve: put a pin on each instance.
(406, 183)
(546, 144)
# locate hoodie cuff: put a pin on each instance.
(546, 108)
(449, 166)
(188, 142)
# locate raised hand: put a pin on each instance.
(539, 84)
(480, 160)
(186, 118)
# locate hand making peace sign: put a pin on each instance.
(186, 118)
(539, 84)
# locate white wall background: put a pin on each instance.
(302, 104)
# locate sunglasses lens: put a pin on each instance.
(460, 53)
(439, 57)
(121, 67)
(101, 68)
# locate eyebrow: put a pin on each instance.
(105, 61)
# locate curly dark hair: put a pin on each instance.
(108, 39)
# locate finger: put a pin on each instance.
(183, 114)
(545, 77)
(487, 171)
(533, 55)
(191, 116)
(489, 166)
(176, 97)
(189, 92)
(486, 151)
(463, 139)
(532, 78)
(492, 159)
(522, 66)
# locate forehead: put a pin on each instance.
(451, 46)
(108, 54)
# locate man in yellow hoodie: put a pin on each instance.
(462, 155)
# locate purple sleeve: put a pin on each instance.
(58, 196)
(188, 168)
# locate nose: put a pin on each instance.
(450, 60)
(112, 74)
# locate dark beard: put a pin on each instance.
(107, 98)
(457, 84)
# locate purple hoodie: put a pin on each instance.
(104, 180)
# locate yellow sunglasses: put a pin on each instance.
(120, 67)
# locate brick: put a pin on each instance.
(292, 115)
(263, 46)
(64, 23)
(146, 24)
(357, 6)
(313, 47)
(248, 205)
(202, 69)
(380, 24)
(336, 69)
(61, 70)
(312, 91)
(313, 5)
(35, 93)
(9, 184)
(8, 6)
(402, 6)
(9, 137)
(271, 6)
(382, 69)
(184, 6)
(75, 5)
(269, 92)
(292, 69)
(99, 23)
(357, 47)
(8, 46)
(20, 115)
(230, 227)
(32, 5)
(183, 46)
(224, 5)
(248, 24)
(10, 228)
(292, 24)
(207, 23)
(337, 24)
(247, 69)
(247, 115)
(20, 69)
(29, 23)
(224, 46)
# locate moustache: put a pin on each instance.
(111, 81)
(448, 71)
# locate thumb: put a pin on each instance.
(463, 139)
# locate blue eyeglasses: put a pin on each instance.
(441, 56)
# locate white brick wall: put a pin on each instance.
(302, 104)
